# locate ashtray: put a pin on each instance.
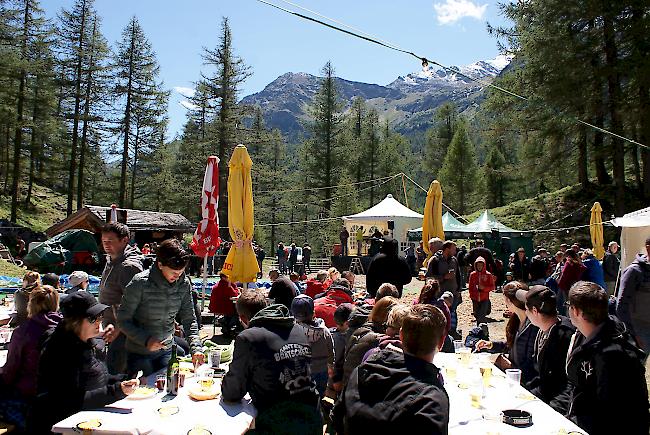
(517, 417)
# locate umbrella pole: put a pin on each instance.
(205, 280)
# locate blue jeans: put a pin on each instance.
(149, 364)
(116, 356)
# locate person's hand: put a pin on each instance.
(128, 387)
(197, 359)
(177, 330)
(154, 345)
(110, 333)
(483, 344)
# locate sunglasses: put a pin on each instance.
(93, 319)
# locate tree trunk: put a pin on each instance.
(583, 175)
(614, 92)
(6, 158)
(77, 102)
(136, 145)
(84, 130)
(18, 136)
(600, 152)
(127, 122)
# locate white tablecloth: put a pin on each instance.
(500, 395)
(141, 416)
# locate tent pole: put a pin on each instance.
(205, 280)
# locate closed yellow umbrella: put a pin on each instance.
(432, 222)
(241, 264)
(596, 230)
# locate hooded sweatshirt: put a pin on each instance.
(116, 275)
(393, 392)
(387, 266)
(633, 305)
(481, 283)
(607, 392)
(271, 361)
(27, 341)
(322, 345)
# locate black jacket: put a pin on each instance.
(607, 392)
(480, 251)
(521, 353)
(282, 291)
(271, 361)
(550, 362)
(520, 269)
(611, 264)
(393, 392)
(387, 266)
(71, 379)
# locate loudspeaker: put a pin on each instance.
(391, 225)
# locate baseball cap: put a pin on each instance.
(302, 308)
(82, 304)
(447, 296)
(77, 277)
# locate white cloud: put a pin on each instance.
(186, 92)
(453, 10)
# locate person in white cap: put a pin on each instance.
(78, 280)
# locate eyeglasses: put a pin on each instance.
(94, 319)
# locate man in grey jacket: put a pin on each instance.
(150, 305)
(633, 304)
(123, 262)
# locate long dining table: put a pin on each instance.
(163, 414)
(476, 405)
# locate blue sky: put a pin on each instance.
(272, 43)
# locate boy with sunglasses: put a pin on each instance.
(151, 303)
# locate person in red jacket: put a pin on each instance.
(337, 294)
(316, 286)
(571, 273)
(220, 303)
(481, 283)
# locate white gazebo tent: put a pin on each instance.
(635, 230)
(377, 217)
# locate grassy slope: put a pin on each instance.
(542, 210)
(46, 208)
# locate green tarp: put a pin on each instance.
(63, 250)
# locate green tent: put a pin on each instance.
(64, 251)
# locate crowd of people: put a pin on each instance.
(325, 352)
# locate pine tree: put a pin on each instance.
(439, 136)
(223, 87)
(73, 33)
(494, 177)
(144, 103)
(323, 148)
(458, 172)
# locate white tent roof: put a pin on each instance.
(388, 208)
(639, 218)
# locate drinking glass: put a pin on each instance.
(465, 355)
(161, 380)
(513, 376)
(206, 381)
(458, 344)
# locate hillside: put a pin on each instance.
(567, 207)
(46, 208)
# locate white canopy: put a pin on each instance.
(636, 229)
(389, 209)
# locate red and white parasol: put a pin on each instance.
(206, 238)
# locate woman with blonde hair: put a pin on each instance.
(20, 371)
(21, 297)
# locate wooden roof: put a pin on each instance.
(92, 218)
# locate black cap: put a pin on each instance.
(81, 304)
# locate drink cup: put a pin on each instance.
(458, 344)
(513, 376)
(214, 358)
(465, 356)
(160, 382)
